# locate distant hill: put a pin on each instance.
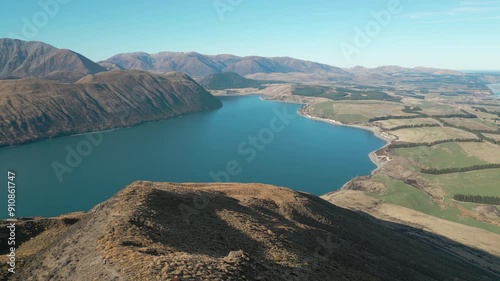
(22, 59)
(394, 69)
(33, 109)
(198, 65)
(230, 231)
(229, 80)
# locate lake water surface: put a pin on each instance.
(248, 140)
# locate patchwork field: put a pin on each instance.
(401, 194)
(357, 111)
(430, 134)
(446, 155)
(400, 184)
(358, 200)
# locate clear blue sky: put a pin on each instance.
(445, 33)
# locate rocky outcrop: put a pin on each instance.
(34, 109)
(167, 231)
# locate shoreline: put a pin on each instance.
(375, 130)
(373, 157)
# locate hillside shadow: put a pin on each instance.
(347, 242)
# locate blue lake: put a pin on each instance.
(248, 140)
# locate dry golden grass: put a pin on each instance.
(430, 134)
(485, 151)
(53, 229)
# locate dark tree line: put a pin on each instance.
(411, 95)
(381, 118)
(468, 129)
(434, 171)
(497, 132)
(409, 109)
(412, 126)
(491, 200)
(416, 144)
(477, 103)
(416, 110)
(465, 115)
(482, 109)
(492, 140)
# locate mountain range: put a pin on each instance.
(198, 65)
(22, 59)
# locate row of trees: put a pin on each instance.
(434, 171)
(468, 129)
(492, 140)
(411, 95)
(497, 132)
(491, 200)
(409, 109)
(412, 126)
(381, 118)
(465, 115)
(482, 109)
(416, 144)
(416, 110)
(477, 103)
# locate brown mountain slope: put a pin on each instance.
(33, 109)
(167, 231)
(23, 59)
